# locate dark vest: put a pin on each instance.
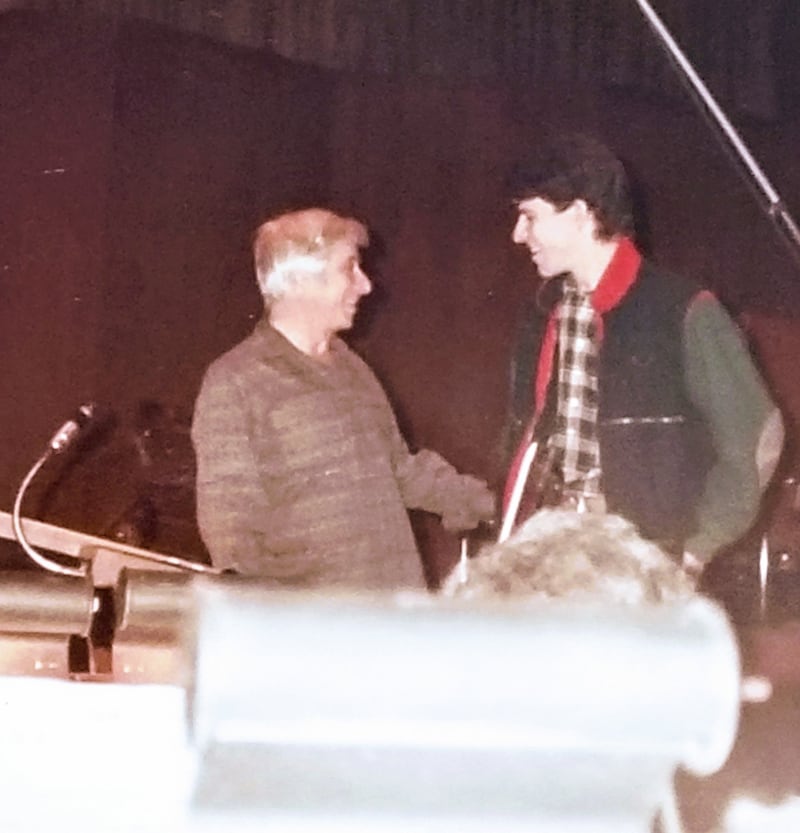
(653, 447)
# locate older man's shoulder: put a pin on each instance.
(253, 351)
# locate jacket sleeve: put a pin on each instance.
(520, 400)
(228, 486)
(745, 426)
(427, 481)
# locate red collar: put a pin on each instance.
(618, 278)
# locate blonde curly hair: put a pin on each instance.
(559, 553)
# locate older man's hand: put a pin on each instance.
(692, 565)
(476, 506)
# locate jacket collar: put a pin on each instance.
(618, 278)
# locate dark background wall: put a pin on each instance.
(135, 162)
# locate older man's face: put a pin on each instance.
(333, 298)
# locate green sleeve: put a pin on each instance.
(743, 422)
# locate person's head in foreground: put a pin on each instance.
(563, 554)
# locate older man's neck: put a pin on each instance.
(301, 333)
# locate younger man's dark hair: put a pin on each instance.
(577, 167)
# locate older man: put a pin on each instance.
(302, 474)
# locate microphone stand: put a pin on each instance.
(776, 208)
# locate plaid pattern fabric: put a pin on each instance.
(574, 441)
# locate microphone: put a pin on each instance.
(69, 431)
(62, 439)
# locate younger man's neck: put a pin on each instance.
(593, 264)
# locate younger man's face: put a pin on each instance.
(549, 233)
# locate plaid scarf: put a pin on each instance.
(574, 440)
